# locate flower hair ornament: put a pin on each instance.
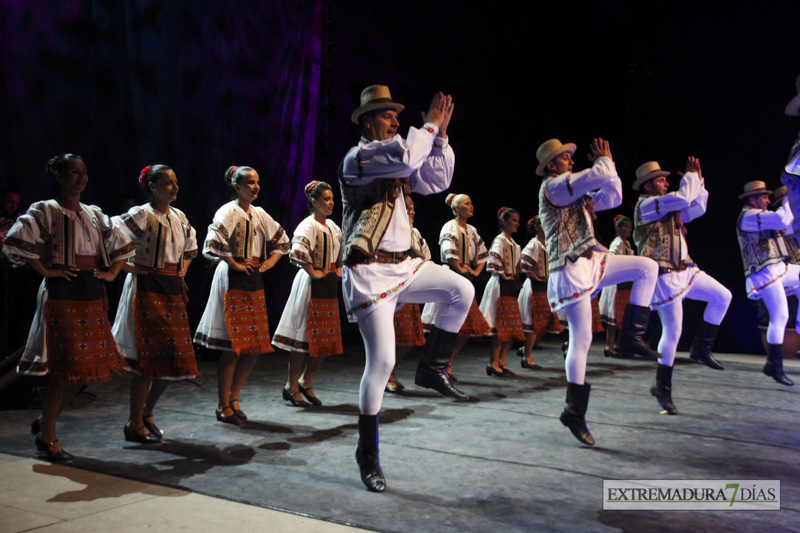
(501, 211)
(143, 176)
(310, 186)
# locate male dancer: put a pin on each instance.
(380, 268)
(659, 219)
(765, 257)
(577, 273)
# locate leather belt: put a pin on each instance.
(680, 268)
(390, 258)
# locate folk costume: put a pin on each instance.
(577, 272)
(310, 321)
(152, 327)
(499, 303)
(467, 247)
(381, 269)
(768, 274)
(235, 318)
(534, 308)
(70, 337)
(659, 234)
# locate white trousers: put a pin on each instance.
(434, 284)
(704, 288)
(774, 297)
(642, 271)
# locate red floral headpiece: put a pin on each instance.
(143, 176)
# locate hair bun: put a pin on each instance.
(500, 211)
(449, 199)
(310, 186)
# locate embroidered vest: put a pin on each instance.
(540, 267)
(323, 249)
(760, 248)
(418, 244)
(659, 240)
(150, 243)
(568, 229)
(60, 239)
(366, 213)
(461, 241)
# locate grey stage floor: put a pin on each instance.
(504, 464)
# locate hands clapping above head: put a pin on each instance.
(599, 148)
(440, 112)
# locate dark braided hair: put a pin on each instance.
(314, 190)
(59, 163)
(151, 173)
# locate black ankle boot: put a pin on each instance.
(574, 414)
(701, 346)
(367, 453)
(662, 389)
(634, 327)
(431, 370)
(774, 366)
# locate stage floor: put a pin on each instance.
(503, 464)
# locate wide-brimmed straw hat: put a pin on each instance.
(646, 172)
(754, 187)
(793, 107)
(375, 97)
(549, 150)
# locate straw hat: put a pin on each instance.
(754, 187)
(549, 150)
(646, 172)
(375, 97)
(793, 107)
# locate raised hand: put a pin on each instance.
(448, 113)
(437, 109)
(693, 165)
(599, 148)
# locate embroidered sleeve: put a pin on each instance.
(216, 243)
(494, 263)
(448, 242)
(26, 238)
(303, 243)
(117, 243)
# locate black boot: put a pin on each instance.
(574, 414)
(431, 372)
(701, 346)
(662, 389)
(634, 327)
(367, 453)
(774, 366)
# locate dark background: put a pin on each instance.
(201, 85)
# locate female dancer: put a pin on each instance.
(246, 241)
(310, 328)
(537, 318)
(408, 329)
(615, 298)
(499, 303)
(463, 250)
(70, 339)
(151, 327)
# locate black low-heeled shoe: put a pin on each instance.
(231, 419)
(152, 427)
(492, 372)
(507, 372)
(310, 397)
(133, 435)
(238, 412)
(56, 457)
(289, 397)
(525, 364)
